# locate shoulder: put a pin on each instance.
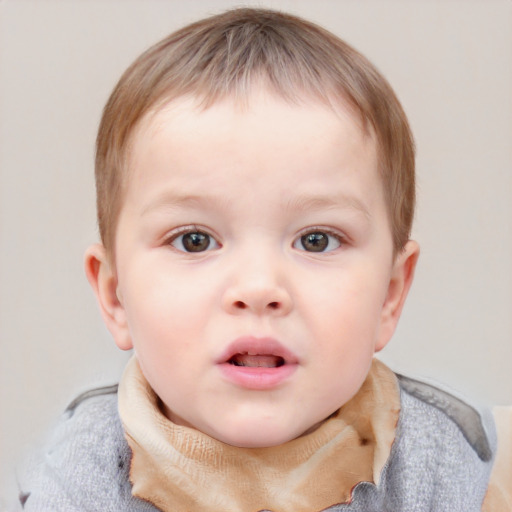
(89, 428)
(85, 463)
(444, 448)
(425, 401)
(107, 395)
(89, 421)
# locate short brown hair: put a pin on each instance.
(224, 55)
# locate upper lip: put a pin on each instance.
(258, 346)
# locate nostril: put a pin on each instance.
(273, 305)
(240, 305)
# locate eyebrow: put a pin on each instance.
(321, 202)
(169, 200)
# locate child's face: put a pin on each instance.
(254, 265)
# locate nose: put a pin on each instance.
(258, 289)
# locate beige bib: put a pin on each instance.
(179, 469)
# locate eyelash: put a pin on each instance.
(191, 230)
(339, 239)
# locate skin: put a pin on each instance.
(252, 181)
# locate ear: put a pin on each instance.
(103, 280)
(400, 282)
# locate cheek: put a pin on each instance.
(350, 297)
(346, 314)
(157, 315)
(164, 333)
(159, 298)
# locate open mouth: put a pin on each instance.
(255, 363)
(257, 360)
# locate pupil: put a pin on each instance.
(196, 242)
(315, 242)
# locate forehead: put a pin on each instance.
(222, 149)
(261, 117)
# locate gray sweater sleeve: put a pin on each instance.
(439, 463)
(86, 463)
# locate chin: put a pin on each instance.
(256, 437)
(255, 443)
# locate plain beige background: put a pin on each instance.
(450, 62)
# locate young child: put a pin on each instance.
(255, 186)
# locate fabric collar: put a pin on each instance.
(180, 469)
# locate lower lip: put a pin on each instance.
(258, 378)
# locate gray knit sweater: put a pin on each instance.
(440, 461)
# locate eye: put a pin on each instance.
(194, 241)
(318, 241)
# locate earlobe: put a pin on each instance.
(401, 280)
(103, 281)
